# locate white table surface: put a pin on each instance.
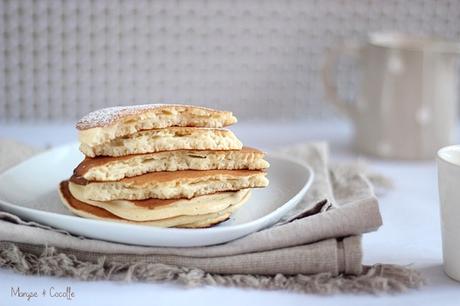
(410, 234)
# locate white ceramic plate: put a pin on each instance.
(25, 189)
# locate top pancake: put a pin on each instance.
(109, 123)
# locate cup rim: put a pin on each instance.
(406, 41)
(447, 148)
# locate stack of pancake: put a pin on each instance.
(163, 165)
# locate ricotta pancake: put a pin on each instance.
(106, 124)
(82, 209)
(116, 168)
(167, 139)
(157, 209)
(169, 185)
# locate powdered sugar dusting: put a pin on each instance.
(107, 116)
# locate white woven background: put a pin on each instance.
(61, 59)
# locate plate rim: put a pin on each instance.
(185, 231)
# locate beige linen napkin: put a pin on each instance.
(315, 248)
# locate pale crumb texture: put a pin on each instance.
(176, 161)
(179, 188)
(174, 138)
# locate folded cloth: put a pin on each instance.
(320, 237)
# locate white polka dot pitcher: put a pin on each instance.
(406, 106)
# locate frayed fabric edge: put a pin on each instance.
(377, 279)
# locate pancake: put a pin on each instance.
(116, 168)
(157, 209)
(167, 139)
(82, 209)
(170, 185)
(107, 124)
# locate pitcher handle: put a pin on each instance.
(330, 86)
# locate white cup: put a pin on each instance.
(448, 160)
